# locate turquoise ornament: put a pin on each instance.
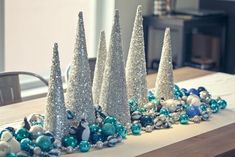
(111, 120)
(69, 141)
(214, 106)
(184, 119)
(146, 120)
(133, 105)
(178, 94)
(164, 111)
(44, 142)
(11, 155)
(176, 88)
(222, 103)
(142, 110)
(136, 129)
(108, 129)
(203, 107)
(26, 145)
(84, 146)
(121, 130)
(94, 128)
(21, 134)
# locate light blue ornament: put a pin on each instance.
(136, 129)
(44, 142)
(26, 145)
(203, 107)
(11, 155)
(164, 111)
(69, 141)
(108, 129)
(214, 106)
(222, 103)
(192, 111)
(84, 146)
(21, 134)
(133, 105)
(184, 119)
(111, 120)
(121, 130)
(205, 116)
(94, 128)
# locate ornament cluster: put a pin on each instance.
(101, 114)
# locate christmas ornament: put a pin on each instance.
(27, 145)
(136, 64)
(113, 97)
(99, 68)
(79, 92)
(36, 131)
(12, 142)
(21, 134)
(44, 142)
(4, 148)
(222, 103)
(136, 129)
(69, 141)
(84, 146)
(184, 119)
(108, 129)
(55, 116)
(164, 83)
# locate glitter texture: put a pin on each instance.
(79, 92)
(164, 84)
(136, 64)
(113, 96)
(99, 68)
(55, 116)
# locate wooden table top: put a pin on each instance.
(219, 142)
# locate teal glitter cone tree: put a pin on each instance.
(113, 96)
(136, 64)
(79, 92)
(55, 116)
(164, 83)
(99, 68)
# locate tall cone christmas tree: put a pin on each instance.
(164, 84)
(55, 116)
(99, 68)
(136, 64)
(113, 96)
(79, 92)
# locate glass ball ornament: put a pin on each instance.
(21, 134)
(193, 91)
(26, 144)
(84, 146)
(146, 120)
(133, 105)
(36, 131)
(203, 107)
(11, 129)
(50, 135)
(99, 145)
(185, 91)
(192, 111)
(205, 116)
(136, 129)
(108, 129)
(95, 137)
(222, 103)
(111, 141)
(184, 119)
(11, 155)
(121, 130)
(44, 142)
(164, 111)
(201, 89)
(151, 96)
(111, 120)
(214, 106)
(69, 141)
(136, 115)
(94, 128)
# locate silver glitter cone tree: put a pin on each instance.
(99, 69)
(79, 92)
(55, 116)
(113, 96)
(164, 83)
(136, 64)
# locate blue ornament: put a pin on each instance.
(69, 141)
(136, 129)
(95, 137)
(133, 105)
(50, 135)
(164, 111)
(194, 91)
(26, 145)
(146, 120)
(21, 134)
(184, 119)
(111, 120)
(200, 89)
(11, 129)
(185, 91)
(94, 128)
(192, 111)
(121, 130)
(222, 103)
(11, 155)
(84, 146)
(44, 142)
(70, 114)
(108, 129)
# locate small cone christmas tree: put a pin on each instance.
(99, 69)
(79, 93)
(136, 64)
(113, 96)
(55, 116)
(164, 84)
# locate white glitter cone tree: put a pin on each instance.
(55, 116)
(99, 68)
(136, 64)
(79, 92)
(113, 96)
(164, 83)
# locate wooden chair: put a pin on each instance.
(10, 89)
(92, 62)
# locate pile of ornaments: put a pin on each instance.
(190, 106)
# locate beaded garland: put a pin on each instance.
(108, 131)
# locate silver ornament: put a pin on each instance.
(99, 145)
(36, 131)
(79, 91)
(136, 115)
(69, 150)
(164, 83)
(148, 128)
(37, 150)
(57, 143)
(196, 119)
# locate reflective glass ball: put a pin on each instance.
(69, 141)
(222, 103)
(136, 129)
(84, 146)
(44, 142)
(21, 134)
(108, 129)
(184, 119)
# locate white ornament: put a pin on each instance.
(4, 148)
(10, 139)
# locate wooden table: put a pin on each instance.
(221, 140)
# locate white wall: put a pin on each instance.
(1, 35)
